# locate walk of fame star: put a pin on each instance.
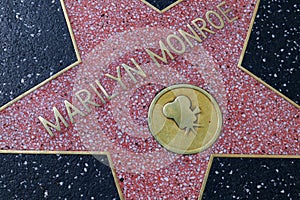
(102, 104)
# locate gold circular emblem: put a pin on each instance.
(185, 119)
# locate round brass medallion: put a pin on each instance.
(185, 119)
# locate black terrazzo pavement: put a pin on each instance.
(74, 177)
(253, 178)
(161, 4)
(273, 51)
(35, 44)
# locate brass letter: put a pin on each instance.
(87, 99)
(129, 69)
(163, 50)
(203, 27)
(98, 94)
(70, 113)
(182, 50)
(211, 22)
(103, 90)
(224, 12)
(58, 118)
(185, 34)
(117, 79)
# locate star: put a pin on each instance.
(108, 34)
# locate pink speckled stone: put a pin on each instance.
(256, 119)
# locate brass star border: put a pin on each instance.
(57, 74)
(252, 74)
(163, 10)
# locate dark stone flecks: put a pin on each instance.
(35, 44)
(43, 176)
(161, 4)
(253, 178)
(273, 51)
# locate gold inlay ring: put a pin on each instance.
(185, 119)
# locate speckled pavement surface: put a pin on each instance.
(272, 53)
(56, 176)
(35, 45)
(257, 120)
(253, 178)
